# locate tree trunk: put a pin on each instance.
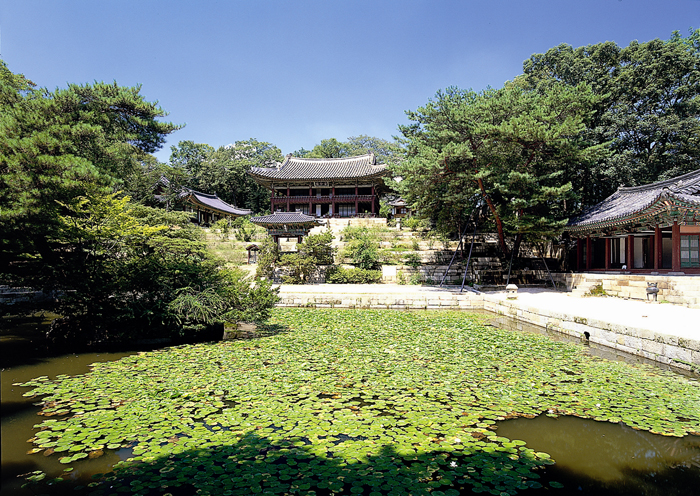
(499, 223)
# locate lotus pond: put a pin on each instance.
(345, 402)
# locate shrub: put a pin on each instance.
(362, 249)
(299, 267)
(267, 258)
(341, 275)
(412, 260)
(416, 279)
(412, 223)
(415, 245)
(318, 247)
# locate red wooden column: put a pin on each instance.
(579, 254)
(658, 249)
(357, 203)
(589, 253)
(630, 251)
(374, 199)
(676, 247)
(287, 198)
(607, 253)
(333, 200)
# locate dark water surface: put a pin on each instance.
(592, 458)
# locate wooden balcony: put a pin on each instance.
(293, 200)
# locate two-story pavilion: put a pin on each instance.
(650, 228)
(324, 187)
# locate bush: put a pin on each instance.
(412, 223)
(318, 247)
(362, 249)
(299, 268)
(412, 260)
(267, 258)
(341, 275)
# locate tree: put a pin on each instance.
(647, 114)
(225, 172)
(189, 156)
(385, 151)
(135, 270)
(56, 146)
(511, 147)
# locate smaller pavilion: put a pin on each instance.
(287, 224)
(655, 227)
(210, 208)
(400, 209)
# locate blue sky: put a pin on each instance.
(295, 72)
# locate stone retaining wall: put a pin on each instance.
(678, 289)
(663, 348)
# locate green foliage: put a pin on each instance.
(412, 260)
(415, 279)
(597, 291)
(299, 268)
(56, 146)
(243, 228)
(225, 172)
(413, 223)
(268, 255)
(384, 209)
(318, 248)
(189, 156)
(411, 398)
(647, 113)
(355, 275)
(385, 151)
(223, 226)
(512, 147)
(362, 248)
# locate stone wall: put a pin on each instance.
(681, 290)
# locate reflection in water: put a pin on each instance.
(615, 459)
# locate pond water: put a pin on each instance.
(591, 457)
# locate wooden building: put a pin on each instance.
(210, 208)
(399, 208)
(287, 224)
(324, 187)
(642, 229)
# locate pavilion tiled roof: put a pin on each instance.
(627, 204)
(297, 168)
(288, 218)
(214, 203)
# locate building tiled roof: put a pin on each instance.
(295, 168)
(630, 201)
(288, 218)
(215, 203)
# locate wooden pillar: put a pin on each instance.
(630, 251)
(333, 200)
(272, 199)
(357, 203)
(607, 253)
(589, 253)
(373, 199)
(658, 249)
(287, 198)
(579, 254)
(676, 247)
